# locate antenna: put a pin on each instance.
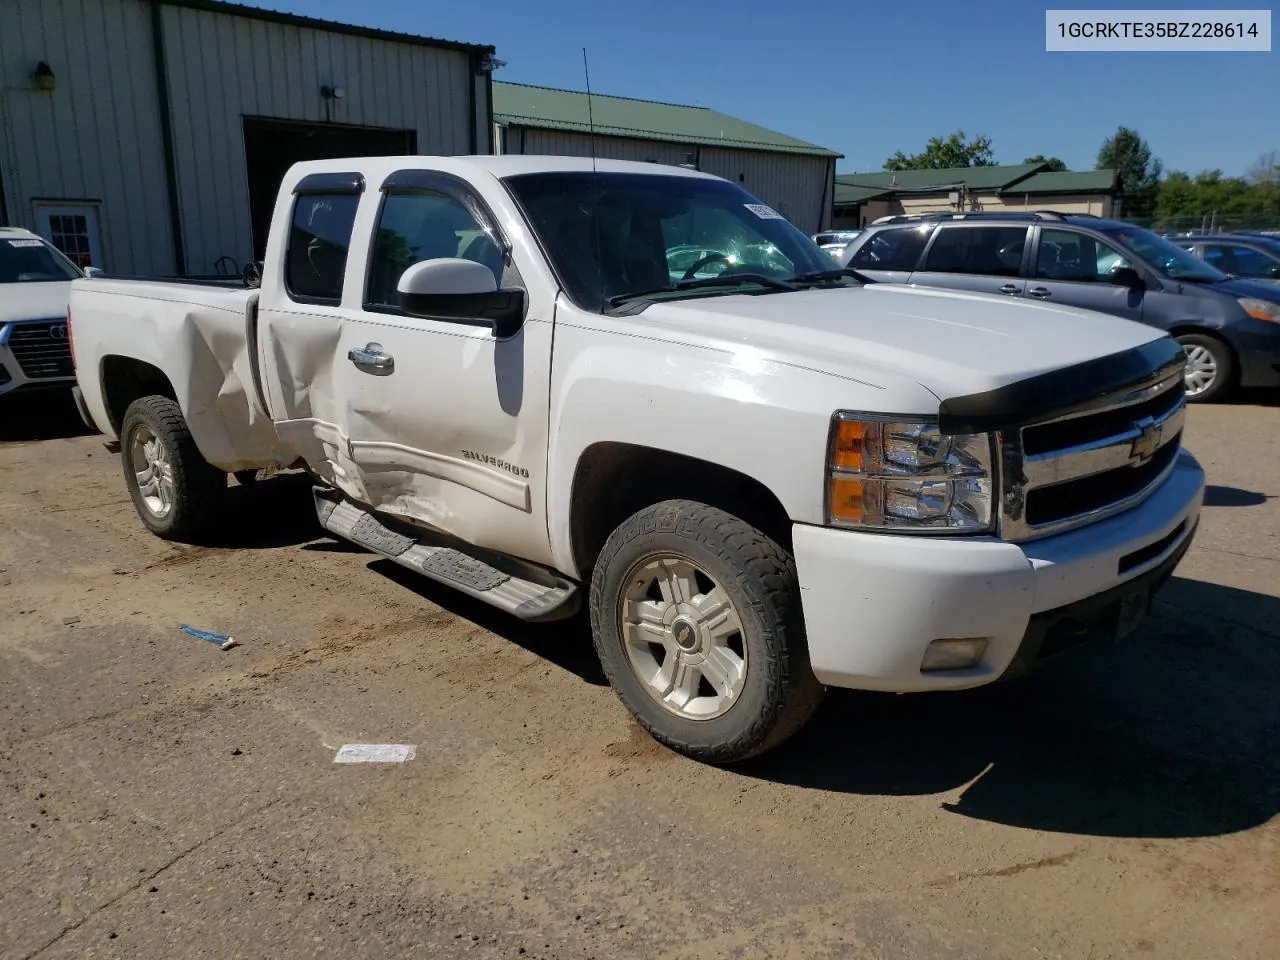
(595, 179)
(591, 122)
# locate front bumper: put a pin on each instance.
(872, 603)
(45, 359)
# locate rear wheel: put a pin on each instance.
(696, 619)
(175, 491)
(1210, 370)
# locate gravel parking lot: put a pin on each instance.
(160, 798)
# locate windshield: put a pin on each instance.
(28, 260)
(1166, 257)
(613, 235)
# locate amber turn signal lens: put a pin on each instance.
(850, 435)
(846, 500)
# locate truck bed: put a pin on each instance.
(201, 338)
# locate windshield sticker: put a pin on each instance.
(26, 243)
(763, 211)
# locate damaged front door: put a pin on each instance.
(447, 425)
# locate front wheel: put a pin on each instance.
(1210, 367)
(174, 489)
(696, 619)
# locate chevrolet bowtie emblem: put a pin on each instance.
(1147, 442)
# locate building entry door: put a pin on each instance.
(74, 228)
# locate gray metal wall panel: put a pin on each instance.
(96, 137)
(793, 184)
(223, 68)
(566, 143)
(797, 186)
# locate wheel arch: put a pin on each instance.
(613, 480)
(126, 379)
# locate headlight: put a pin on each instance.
(1260, 309)
(907, 476)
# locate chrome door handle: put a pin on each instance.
(371, 355)
(1009, 288)
(1040, 292)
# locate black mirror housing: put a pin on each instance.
(500, 310)
(1128, 277)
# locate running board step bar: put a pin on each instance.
(554, 598)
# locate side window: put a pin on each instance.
(988, 251)
(897, 249)
(423, 225)
(1242, 261)
(319, 238)
(1065, 255)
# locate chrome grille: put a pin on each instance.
(1091, 462)
(42, 349)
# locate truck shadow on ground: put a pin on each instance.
(1173, 734)
(40, 415)
(278, 512)
(565, 643)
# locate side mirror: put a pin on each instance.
(93, 272)
(1127, 277)
(463, 291)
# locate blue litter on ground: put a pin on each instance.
(219, 640)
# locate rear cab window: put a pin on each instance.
(992, 251)
(324, 213)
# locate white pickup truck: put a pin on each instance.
(532, 378)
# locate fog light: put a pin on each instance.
(953, 654)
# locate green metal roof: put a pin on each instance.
(846, 194)
(1084, 181)
(923, 181)
(546, 108)
(329, 26)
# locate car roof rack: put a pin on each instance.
(977, 215)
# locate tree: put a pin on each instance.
(1055, 165)
(1266, 170)
(940, 154)
(1128, 153)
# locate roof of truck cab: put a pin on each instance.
(502, 166)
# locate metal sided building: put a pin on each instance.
(148, 137)
(794, 177)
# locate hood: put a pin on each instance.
(950, 342)
(33, 301)
(1268, 290)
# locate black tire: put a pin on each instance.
(1223, 358)
(198, 488)
(779, 694)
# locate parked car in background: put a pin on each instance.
(1229, 327)
(835, 241)
(35, 282)
(1248, 256)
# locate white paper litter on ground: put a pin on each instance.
(374, 753)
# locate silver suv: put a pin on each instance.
(1229, 327)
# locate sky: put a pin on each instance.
(869, 78)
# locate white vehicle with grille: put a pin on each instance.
(761, 476)
(35, 281)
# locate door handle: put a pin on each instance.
(1040, 292)
(1009, 288)
(371, 355)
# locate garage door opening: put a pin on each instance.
(272, 146)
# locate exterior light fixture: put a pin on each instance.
(44, 76)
